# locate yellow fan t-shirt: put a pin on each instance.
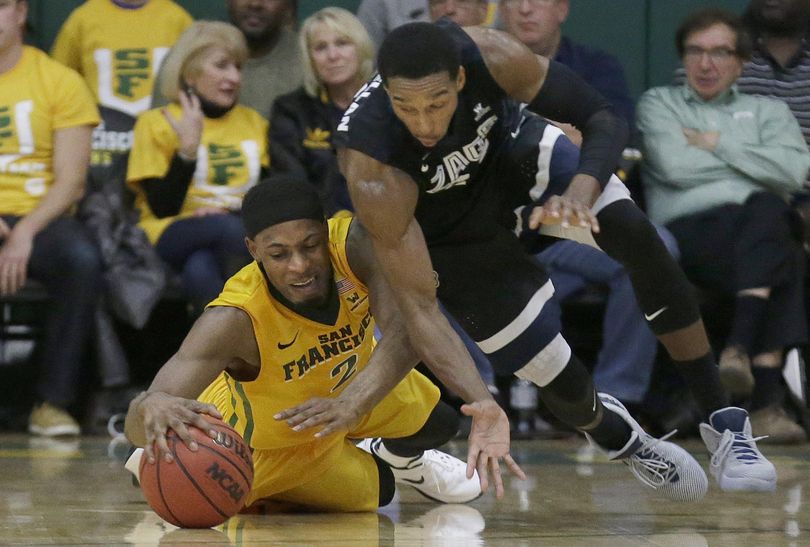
(118, 51)
(37, 97)
(231, 154)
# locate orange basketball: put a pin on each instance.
(203, 488)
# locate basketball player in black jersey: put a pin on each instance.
(446, 166)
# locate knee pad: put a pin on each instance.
(571, 397)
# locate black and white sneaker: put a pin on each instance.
(434, 474)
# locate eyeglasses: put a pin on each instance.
(717, 55)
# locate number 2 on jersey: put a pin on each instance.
(350, 366)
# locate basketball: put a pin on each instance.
(203, 488)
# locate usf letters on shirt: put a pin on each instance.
(37, 97)
(231, 154)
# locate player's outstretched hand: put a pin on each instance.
(160, 412)
(333, 414)
(488, 444)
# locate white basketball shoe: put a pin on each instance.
(737, 463)
(434, 474)
(657, 463)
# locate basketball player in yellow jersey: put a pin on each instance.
(118, 46)
(46, 119)
(296, 324)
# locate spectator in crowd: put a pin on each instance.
(780, 62)
(273, 65)
(193, 161)
(625, 362)
(466, 13)
(718, 168)
(337, 57)
(538, 24)
(48, 115)
(381, 16)
(104, 41)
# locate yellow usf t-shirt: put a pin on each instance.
(300, 358)
(118, 51)
(232, 152)
(37, 97)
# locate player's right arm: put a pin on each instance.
(385, 201)
(222, 338)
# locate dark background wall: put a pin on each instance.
(639, 32)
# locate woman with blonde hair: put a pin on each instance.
(193, 160)
(338, 57)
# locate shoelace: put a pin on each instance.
(743, 450)
(652, 471)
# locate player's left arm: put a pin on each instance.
(71, 156)
(554, 91)
(390, 361)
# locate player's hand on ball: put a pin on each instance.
(488, 444)
(564, 211)
(160, 411)
(333, 414)
(573, 208)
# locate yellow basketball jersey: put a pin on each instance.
(300, 358)
(232, 152)
(37, 97)
(118, 50)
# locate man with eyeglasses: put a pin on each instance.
(719, 167)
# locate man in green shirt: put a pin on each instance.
(719, 167)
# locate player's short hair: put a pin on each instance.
(416, 50)
(344, 24)
(280, 198)
(708, 17)
(186, 57)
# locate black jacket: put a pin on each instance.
(301, 130)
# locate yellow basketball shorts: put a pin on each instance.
(332, 474)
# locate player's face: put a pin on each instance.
(426, 105)
(466, 13)
(334, 56)
(259, 20)
(295, 256)
(219, 78)
(536, 23)
(12, 19)
(710, 59)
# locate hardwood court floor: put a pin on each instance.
(63, 493)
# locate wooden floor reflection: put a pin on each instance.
(77, 493)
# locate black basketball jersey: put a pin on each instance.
(456, 176)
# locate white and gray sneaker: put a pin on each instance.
(737, 464)
(657, 463)
(434, 474)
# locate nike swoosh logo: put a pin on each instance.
(285, 346)
(420, 481)
(655, 314)
(516, 131)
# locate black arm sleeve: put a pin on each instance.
(565, 97)
(165, 196)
